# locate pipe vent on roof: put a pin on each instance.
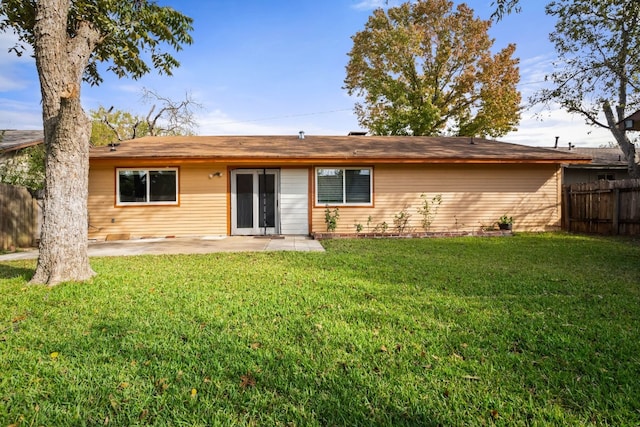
(301, 134)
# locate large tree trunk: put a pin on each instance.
(627, 147)
(61, 60)
(64, 236)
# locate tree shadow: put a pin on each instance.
(13, 272)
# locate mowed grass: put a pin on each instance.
(527, 330)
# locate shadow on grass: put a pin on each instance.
(13, 272)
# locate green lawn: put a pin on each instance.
(527, 330)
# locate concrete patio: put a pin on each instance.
(191, 245)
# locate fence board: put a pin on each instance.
(18, 217)
(602, 207)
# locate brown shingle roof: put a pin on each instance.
(317, 149)
(602, 156)
(12, 140)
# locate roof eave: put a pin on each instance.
(20, 146)
(327, 160)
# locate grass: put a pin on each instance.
(529, 330)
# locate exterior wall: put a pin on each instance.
(202, 208)
(575, 175)
(473, 196)
(294, 201)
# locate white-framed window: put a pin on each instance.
(135, 186)
(351, 186)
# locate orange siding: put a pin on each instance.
(473, 196)
(202, 209)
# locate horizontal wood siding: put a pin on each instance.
(202, 209)
(294, 201)
(473, 196)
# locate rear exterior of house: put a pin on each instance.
(202, 186)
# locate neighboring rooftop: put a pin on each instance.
(11, 140)
(314, 149)
(602, 156)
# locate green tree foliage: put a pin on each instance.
(598, 68)
(25, 168)
(424, 68)
(133, 35)
(504, 7)
(165, 117)
(110, 126)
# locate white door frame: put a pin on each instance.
(254, 203)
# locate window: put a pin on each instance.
(146, 187)
(343, 186)
(607, 176)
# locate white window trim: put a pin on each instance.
(344, 188)
(148, 203)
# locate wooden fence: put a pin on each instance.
(19, 218)
(603, 207)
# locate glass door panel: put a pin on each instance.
(267, 200)
(254, 201)
(244, 200)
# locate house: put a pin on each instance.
(252, 185)
(13, 140)
(608, 163)
(631, 122)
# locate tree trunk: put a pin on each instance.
(61, 60)
(64, 236)
(627, 147)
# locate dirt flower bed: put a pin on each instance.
(412, 235)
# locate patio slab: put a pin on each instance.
(191, 245)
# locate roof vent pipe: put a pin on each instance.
(556, 145)
(301, 134)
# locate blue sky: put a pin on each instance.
(277, 67)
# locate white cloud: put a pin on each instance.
(539, 128)
(375, 4)
(11, 77)
(19, 115)
(217, 122)
(540, 125)
(9, 40)
(9, 83)
(533, 72)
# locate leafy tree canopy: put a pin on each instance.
(133, 33)
(424, 68)
(110, 126)
(25, 168)
(165, 117)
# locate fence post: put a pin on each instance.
(615, 215)
(567, 208)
